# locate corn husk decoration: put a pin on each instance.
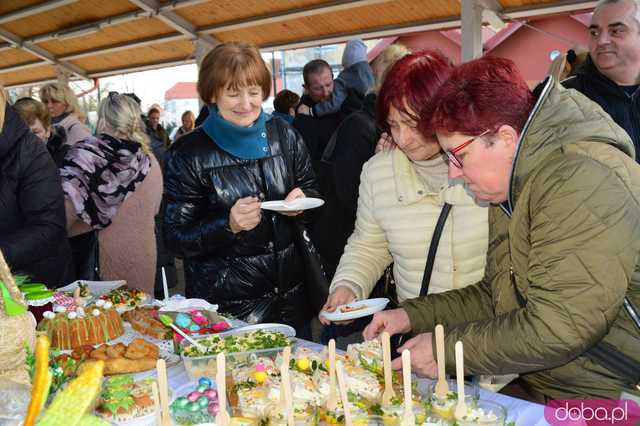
(15, 332)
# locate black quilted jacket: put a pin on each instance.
(33, 235)
(255, 275)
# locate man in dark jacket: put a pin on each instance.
(316, 132)
(611, 74)
(33, 233)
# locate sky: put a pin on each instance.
(150, 86)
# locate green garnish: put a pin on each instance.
(248, 384)
(255, 340)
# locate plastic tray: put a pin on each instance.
(205, 366)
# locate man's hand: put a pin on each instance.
(339, 296)
(422, 361)
(394, 321)
(245, 214)
(294, 194)
(304, 109)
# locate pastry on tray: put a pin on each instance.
(138, 356)
(144, 319)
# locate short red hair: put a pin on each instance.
(411, 84)
(480, 95)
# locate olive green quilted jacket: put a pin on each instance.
(559, 267)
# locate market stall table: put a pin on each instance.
(523, 413)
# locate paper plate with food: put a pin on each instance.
(125, 299)
(359, 309)
(91, 288)
(293, 205)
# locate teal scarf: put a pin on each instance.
(248, 143)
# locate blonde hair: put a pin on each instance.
(383, 62)
(3, 105)
(119, 115)
(62, 93)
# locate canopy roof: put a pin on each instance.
(94, 38)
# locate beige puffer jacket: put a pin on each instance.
(397, 214)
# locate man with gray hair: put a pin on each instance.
(611, 74)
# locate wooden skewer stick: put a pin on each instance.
(156, 403)
(442, 388)
(408, 418)
(342, 384)
(386, 363)
(332, 399)
(461, 406)
(285, 384)
(286, 356)
(222, 418)
(163, 389)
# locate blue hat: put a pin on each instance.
(354, 52)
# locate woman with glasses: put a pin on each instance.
(562, 290)
(113, 186)
(65, 111)
(235, 254)
(402, 194)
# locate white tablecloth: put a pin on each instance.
(523, 413)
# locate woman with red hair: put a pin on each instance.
(401, 197)
(565, 239)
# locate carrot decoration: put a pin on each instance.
(41, 380)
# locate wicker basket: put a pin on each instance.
(15, 332)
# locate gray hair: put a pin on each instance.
(635, 3)
(120, 116)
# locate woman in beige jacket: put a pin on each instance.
(401, 195)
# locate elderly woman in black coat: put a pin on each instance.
(236, 254)
(33, 236)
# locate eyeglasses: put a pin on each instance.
(451, 154)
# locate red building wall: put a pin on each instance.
(528, 48)
(531, 49)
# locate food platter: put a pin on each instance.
(359, 309)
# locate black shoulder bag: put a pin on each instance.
(316, 282)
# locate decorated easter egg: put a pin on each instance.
(202, 388)
(203, 401)
(180, 403)
(194, 327)
(183, 320)
(213, 408)
(193, 407)
(220, 326)
(212, 394)
(193, 396)
(204, 381)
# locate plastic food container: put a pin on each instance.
(484, 413)
(205, 366)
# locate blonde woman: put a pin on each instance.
(65, 111)
(32, 227)
(113, 185)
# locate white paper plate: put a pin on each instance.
(363, 308)
(97, 288)
(292, 206)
